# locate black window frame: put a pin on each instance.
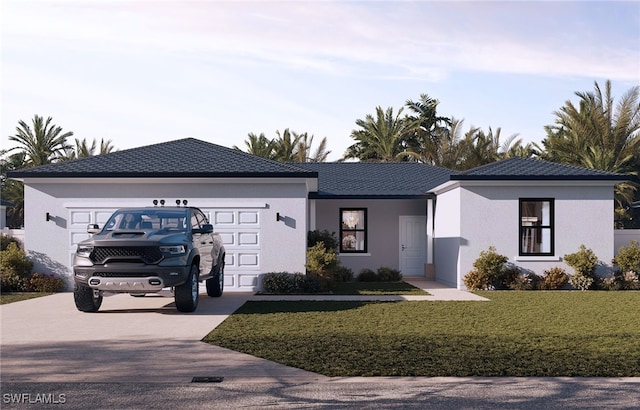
(540, 228)
(345, 229)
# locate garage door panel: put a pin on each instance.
(224, 218)
(248, 218)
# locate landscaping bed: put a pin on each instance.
(546, 333)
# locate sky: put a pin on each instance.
(142, 72)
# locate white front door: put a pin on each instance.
(413, 245)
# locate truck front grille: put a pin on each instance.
(123, 274)
(145, 254)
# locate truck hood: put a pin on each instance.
(133, 237)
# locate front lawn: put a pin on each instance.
(563, 333)
(18, 296)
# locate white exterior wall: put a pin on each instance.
(383, 216)
(447, 237)
(283, 242)
(489, 217)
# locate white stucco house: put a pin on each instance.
(423, 220)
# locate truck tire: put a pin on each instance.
(85, 300)
(186, 295)
(215, 285)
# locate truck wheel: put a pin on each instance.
(85, 300)
(215, 285)
(186, 295)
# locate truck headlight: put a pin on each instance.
(174, 249)
(84, 250)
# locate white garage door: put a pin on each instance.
(239, 229)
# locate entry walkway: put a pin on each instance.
(436, 291)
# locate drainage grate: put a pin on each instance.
(207, 379)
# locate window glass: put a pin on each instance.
(353, 230)
(536, 227)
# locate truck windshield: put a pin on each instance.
(151, 219)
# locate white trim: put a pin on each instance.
(353, 254)
(208, 203)
(449, 185)
(550, 258)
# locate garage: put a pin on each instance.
(256, 205)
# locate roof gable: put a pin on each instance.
(375, 179)
(187, 157)
(518, 168)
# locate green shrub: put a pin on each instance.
(584, 264)
(526, 281)
(289, 283)
(342, 274)
(488, 272)
(46, 283)
(321, 264)
(5, 240)
(385, 274)
(15, 269)
(554, 278)
(507, 278)
(329, 239)
(367, 275)
(628, 258)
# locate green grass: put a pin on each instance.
(377, 288)
(562, 333)
(18, 296)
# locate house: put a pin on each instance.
(423, 220)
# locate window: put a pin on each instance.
(353, 230)
(536, 227)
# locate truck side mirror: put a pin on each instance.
(93, 228)
(206, 228)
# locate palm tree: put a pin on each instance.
(598, 135)
(303, 152)
(425, 129)
(44, 144)
(286, 146)
(84, 150)
(259, 145)
(379, 139)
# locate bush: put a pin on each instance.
(342, 274)
(5, 240)
(289, 283)
(584, 264)
(488, 272)
(628, 258)
(385, 274)
(45, 283)
(367, 275)
(329, 239)
(321, 264)
(507, 278)
(526, 281)
(554, 278)
(15, 269)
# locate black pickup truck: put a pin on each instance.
(143, 250)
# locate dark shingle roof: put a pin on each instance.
(375, 180)
(534, 169)
(187, 157)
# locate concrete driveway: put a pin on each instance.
(130, 339)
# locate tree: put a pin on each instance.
(600, 135)
(304, 151)
(380, 138)
(84, 150)
(426, 130)
(259, 145)
(11, 190)
(44, 144)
